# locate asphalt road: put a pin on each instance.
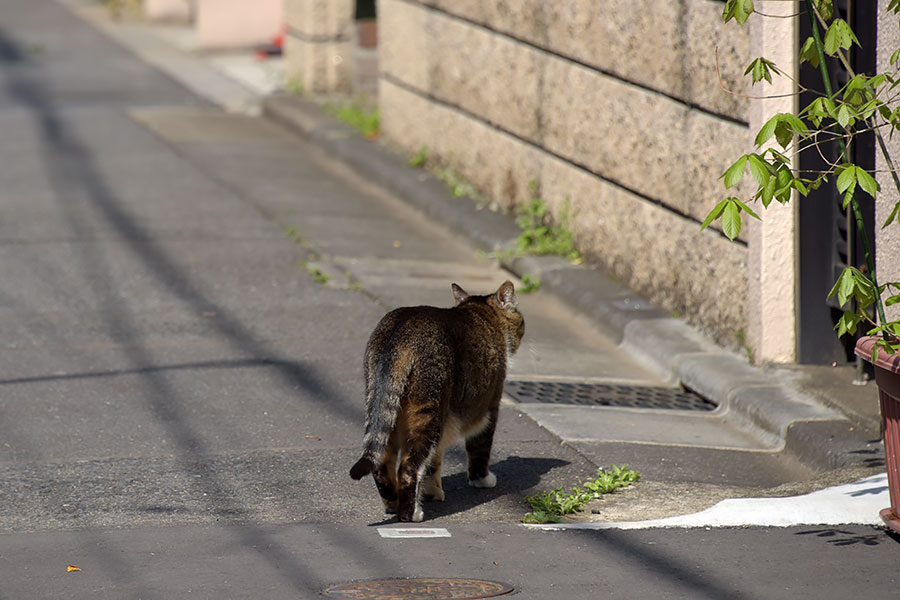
(180, 399)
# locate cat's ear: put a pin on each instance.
(459, 294)
(506, 296)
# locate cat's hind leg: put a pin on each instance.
(386, 475)
(478, 450)
(433, 491)
(422, 436)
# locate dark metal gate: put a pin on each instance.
(828, 239)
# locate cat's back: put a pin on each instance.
(418, 328)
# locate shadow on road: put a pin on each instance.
(72, 172)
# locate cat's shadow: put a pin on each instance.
(515, 475)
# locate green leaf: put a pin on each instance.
(746, 209)
(816, 111)
(767, 130)
(783, 134)
(825, 8)
(808, 52)
(785, 179)
(848, 323)
(836, 287)
(768, 192)
(759, 168)
(847, 286)
(735, 172)
(739, 10)
(795, 123)
(760, 69)
(848, 196)
(893, 214)
(839, 36)
(846, 178)
(787, 126)
(844, 116)
(714, 213)
(731, 219)
(866, 181)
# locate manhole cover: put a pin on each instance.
(436, 589)
(605, 394)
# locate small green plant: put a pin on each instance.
(741, 337)
(419, 158)
(294, 86)
(352, 284)
(540, 235)
(548, 507)
(292, 233)
(530, 284)
(459, 187)
(366, 120)
(317, 274)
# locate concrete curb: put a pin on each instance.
(782, 418)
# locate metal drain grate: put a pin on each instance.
(605, 394)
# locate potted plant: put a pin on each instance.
(864, 103)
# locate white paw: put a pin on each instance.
(488, 481)
(418, 515)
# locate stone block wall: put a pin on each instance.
(318, 45)
(614, 108)
(887, 240)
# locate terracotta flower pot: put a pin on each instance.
(887, 376)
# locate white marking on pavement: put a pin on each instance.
(413, 532)
(854, 503)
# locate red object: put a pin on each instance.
(887, 376)
(273, 48)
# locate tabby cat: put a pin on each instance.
(433, 375)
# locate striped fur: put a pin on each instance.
(433, 375)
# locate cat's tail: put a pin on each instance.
(383, 406)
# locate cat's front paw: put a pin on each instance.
(488, 481)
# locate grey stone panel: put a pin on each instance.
(649, 248)
(647, 142)
(666, 46)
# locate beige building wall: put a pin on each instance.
(237, 23)
(617, 113)
(887, 241)
(773, 262)
(167, 10)
(318, 45)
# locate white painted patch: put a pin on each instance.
(854, 503)
(413, 532)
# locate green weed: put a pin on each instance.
(530, 284)
(548, 507)
(540, 235)
(294, 86)
(292, 233)
(459, 187)
(365, 120)
(419, 158)
(317, 274)
(741, 337)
